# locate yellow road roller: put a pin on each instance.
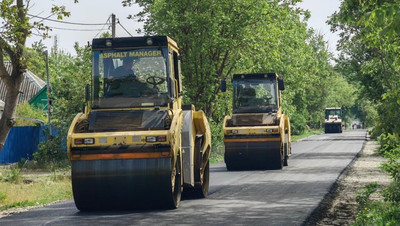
(135, 146)
(333, 120)
(257, 133)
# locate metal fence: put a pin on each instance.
(22, 142)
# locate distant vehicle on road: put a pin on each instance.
(333, 120)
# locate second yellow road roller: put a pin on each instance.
(257, 133)
(135, 146)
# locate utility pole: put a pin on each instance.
(113, 25)
(48, 93)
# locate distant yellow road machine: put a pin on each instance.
(257, 133)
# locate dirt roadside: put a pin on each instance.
(340, 207)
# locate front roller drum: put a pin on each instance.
(126, 184)
(253, 155)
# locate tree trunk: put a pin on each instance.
(7, 119)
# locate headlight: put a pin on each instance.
(234, 131)
(84, 141)
(88, 141)
(272, 130)
(151, 139)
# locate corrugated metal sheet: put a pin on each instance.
(22, 142)
(30, 86)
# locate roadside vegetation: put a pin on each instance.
(22, 186)
(370, 61)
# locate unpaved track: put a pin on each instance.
(282, 197)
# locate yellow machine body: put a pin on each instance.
(126, 148)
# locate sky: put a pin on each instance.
(321, 10)
(89, 11)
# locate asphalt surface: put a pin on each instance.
(272, 197)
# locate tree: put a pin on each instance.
(220, 38)
(16, 27)
(370, 49)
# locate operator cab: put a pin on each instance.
(255, 93)
(333, 112)
(133, 73)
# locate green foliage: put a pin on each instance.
(11, 176)
(27, 111)
(2, 197)
(217, 145)
(52, 152)
(369, 56)
(376, 213)
(392, 193)
(307, 133)
(21, 163)
(69, 76)
(20, 204)
(363, 195)
(390, 145)
(298, 124)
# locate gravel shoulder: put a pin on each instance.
(339, 206)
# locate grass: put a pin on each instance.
(306, 134)
(34, 189)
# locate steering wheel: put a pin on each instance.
(155, 80)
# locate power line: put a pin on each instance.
(64, 22)
(107, 22)
(124, 29)
(74, 29)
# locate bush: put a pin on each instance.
(392, 193)
(52, 153)
(217, 143)
(376, 213)
(390, 145)
(12, 176)
(364, 194)
(28, 111)
(297, 124)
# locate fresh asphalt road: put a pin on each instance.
(272, 197)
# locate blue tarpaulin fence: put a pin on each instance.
(22, 142)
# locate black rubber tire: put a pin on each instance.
(286, 147)
(200, 190)
(176, 188)
(203, 187)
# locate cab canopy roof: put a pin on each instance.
(271, 75)
(132, 42)
(333, 108)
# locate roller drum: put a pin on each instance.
(122, 183)
(253, 155)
